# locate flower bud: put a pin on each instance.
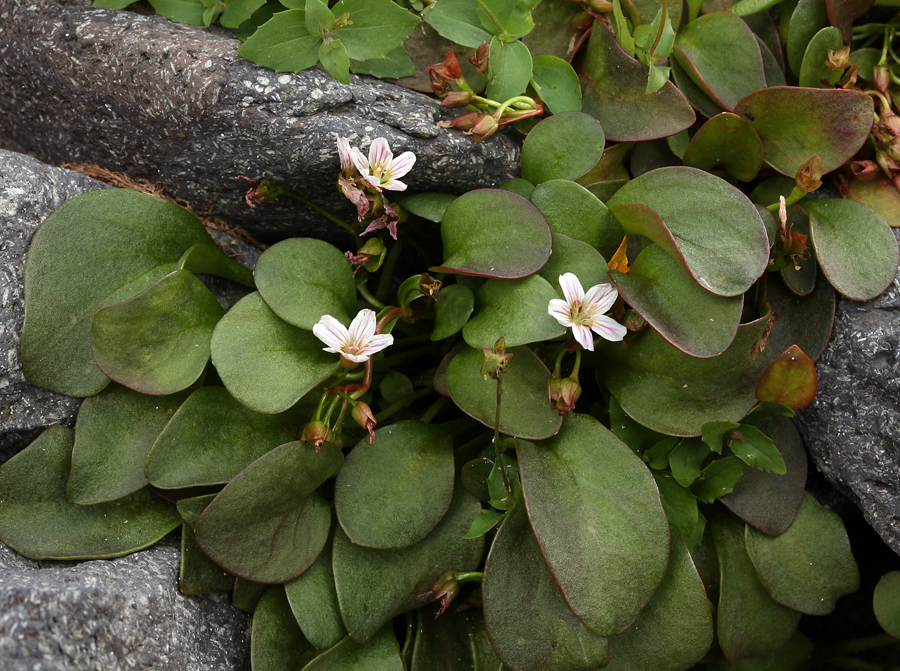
(362, 413)
(881, 78)
(891, 122)
(809, 176)
(445, 588)
(484, 128)
(315, 433)
(886, 163)
(480, 58)
(466, 121)
(864, 169)
(583, 21)
(838, 60)
(563, 394)
(600, 6)
(495, 359)
(456, 99)
(430, 287)
(893, 148)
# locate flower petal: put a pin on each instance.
(344, 151)
(609, 328)
(393, 185)
(359, 160)
(402, 164)
(380, 154)
(572, 289)
(362, 328)
(377, 343)
(560, 310)
(331, 332)
(583, 336)
(600, 298)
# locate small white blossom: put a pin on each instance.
(584, 312)
(345, 151)
(381, 170)
(357, 343)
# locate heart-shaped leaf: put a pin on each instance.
(563, 146)
(268, 524)
(113, 436)
(515, 310)
(277, 642)
(528, 622)
(790, 380)
(614, 92)
(727, 141)
(574, 211)
(886, 601)
(392, 492)
(37, 519)
(266, 363)
(719, 52)
(524, 411)
(606, 542)
(691, 318)
(720, 235)
(375, 585)
(212, 438)
(856, 249)
(124, 242)
(158, 342)
(379, 654)
(808, 567)
(835, 132)
(493, 233)
(556, 83)
(675, 629)
(302, 279)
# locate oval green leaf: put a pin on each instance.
(886, 602)
(813, 71)
(379, 654)
(493, 233)
(808, 17)
(392, 492)
(37, 519)
(835, 132)
(856, 248)
(804, 321)
(212, 438)
(268, 524)
(808, 567)
(727, 141)
(429, 206)
(452, 311)
(277, 642)
(266, 363)
(563, 146)
(572, 210)
(576, 257)
(596, 512)
(157, 342)
(509, 71)
(880, 194)
(556, 82)
(528, 622)
(720, 235)
(524, 411)
(302, 279)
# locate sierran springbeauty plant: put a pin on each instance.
(564, 442)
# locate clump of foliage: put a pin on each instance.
(567, 433)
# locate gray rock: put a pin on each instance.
(852, 428)
(126, 613)
(177, 104)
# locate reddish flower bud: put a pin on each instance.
(456, 99)
(362, 413)
(480, 58)
(891, 122)
(893, 148)
(484, 128)
(315, 433)
(445, 588)
(466, 121)
(864, 169)
(439, 85)
(881, 78)
(886, 163)
(563, 394)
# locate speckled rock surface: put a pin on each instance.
(852, 428)
(176, 103)
(126, 613)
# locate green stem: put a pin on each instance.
(407, 643)
(471, 576)
(331, 406)
(369, 298)
(497, 451)
(577, 366)
(387, 271)
(325, 213)
(404, 402)
(433, 410)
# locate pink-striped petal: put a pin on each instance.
(380, 154)
(572, 289)
(559, 310)
(377, 343)
(362, 327)
(393, 185)
(359, 160)
(345, 152)
(609, 328)
(583, 336)
(331, 332)
(600, 298)
(402, 164)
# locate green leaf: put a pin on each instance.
(886, 601)
(687, 459)
(712, 431)
(835, 132)
(577, 257)
(452, 311)
(333, 55)
(532, 628)
(457, 21)
(515, 310)
(806, 20)
(209, 259)
(394, 65)
(486, 520)
(572, 210)
(510, 69)
(698, 98)
(657, 455)
(608, 550)
(378, 27)
(756, 449)
(452, 642)
(318, 17)
(37, 519)
(379, 654)
(302, 279)
(197, 573)
(720, 54)
(803, 281)
(277, 642)
(264, 362)
(718, 479)
(688, 316)
(238, 11)
(158, 342)
(392, 492)
(880, 194)
(636, 436)
(429, 206)
(563, 146)
(524, 411)
(508, 18)
(493, 233)
(856, 249)
(748, 7)
(768, 501)
(375, 585)
(283, 43)
(124, 242)
(113, 436)
(556, 82)
(211, 438)
(675, 630)
(181, 11)
(268, 524)
(614, 93)
(749, 622)
(727, 141)
(813, 69)
(679, 504)
(313, 600)
(720, 236)
(802, 320)
(808, 567)
(795, 655)
(789, 380)
(246, 594)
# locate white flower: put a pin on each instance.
(381, 170)
(357, 343)
(345, 151)
(584, 312)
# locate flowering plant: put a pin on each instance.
(463, 446)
